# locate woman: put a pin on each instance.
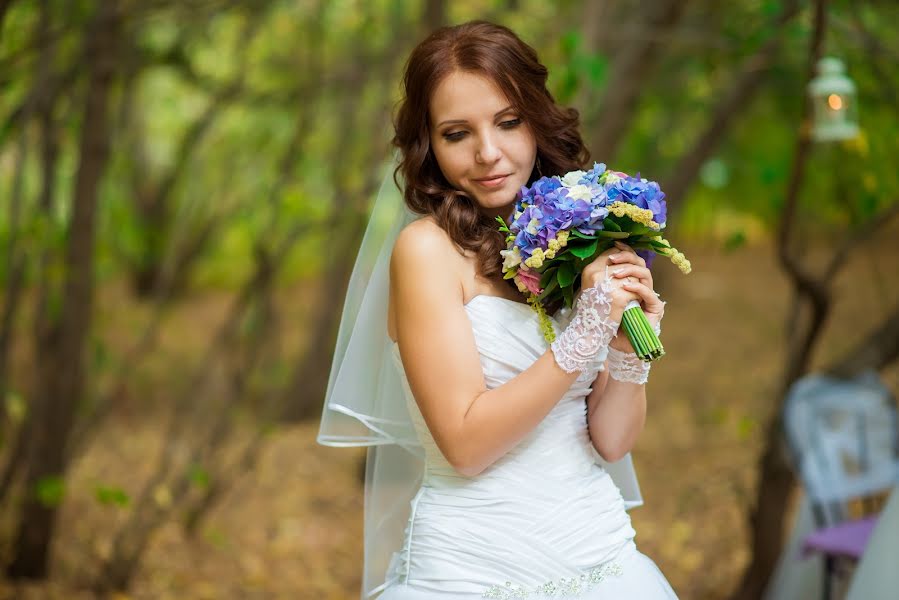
(512, 501)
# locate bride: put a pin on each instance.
(498, 464)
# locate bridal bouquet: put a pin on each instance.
(560, 224)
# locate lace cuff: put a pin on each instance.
(586, 339)
(627, 367)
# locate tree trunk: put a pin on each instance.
(435, 15)
(17, 457)
(303, 395)
(62, 365)
(776, 480)
(629, 73)
(4, 7)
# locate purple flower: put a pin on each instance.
(640, 192)
(647, 255)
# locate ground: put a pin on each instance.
(292, 528)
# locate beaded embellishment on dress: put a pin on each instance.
(560, 588)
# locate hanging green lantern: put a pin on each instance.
(835, 113)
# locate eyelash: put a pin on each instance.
(458, 135)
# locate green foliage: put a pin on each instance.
(190, 53)
(50, 490)
(199, 476)
(112, 496)
(579, 68)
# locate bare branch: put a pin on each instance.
(749, 81)
(876, 351)
(861, 233)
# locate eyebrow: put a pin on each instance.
(458, 121)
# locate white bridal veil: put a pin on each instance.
(365, 405)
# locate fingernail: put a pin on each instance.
(615, 257)
(618, 270)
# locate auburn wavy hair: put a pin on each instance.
(495, 52)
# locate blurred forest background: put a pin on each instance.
(184, 184)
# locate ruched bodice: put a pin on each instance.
(544, 513)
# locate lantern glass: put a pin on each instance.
(834, 110)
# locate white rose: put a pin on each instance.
(580, 192)
(571, 179)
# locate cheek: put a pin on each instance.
(525, 146)
(451, 164)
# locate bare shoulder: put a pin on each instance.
(424, 246)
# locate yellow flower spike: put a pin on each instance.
(536, 259)
(546, 326)
(680, 261)
(562, 238)
(639, 215)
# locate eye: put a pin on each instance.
(454, 136)
(510, 124)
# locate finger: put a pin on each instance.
(632, 270)
(627, 257)
(649, 297)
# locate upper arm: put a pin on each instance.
(434, 333)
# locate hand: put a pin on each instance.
(630, 269)
(624, 267)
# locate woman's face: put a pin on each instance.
(481, 144)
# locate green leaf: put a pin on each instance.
(108, 495)
(613, 235)
(548, 289)
(50, 490)
(570, 42)
(564, 255)
(609, 224)
(547, 276)
(745, 427)
(734, 241)
(585, 251)
(565, 275)
(568, 294)
(199, 476)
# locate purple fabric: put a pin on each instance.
(846, 539)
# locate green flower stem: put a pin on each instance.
(641, 335)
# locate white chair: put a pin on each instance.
(843, 437)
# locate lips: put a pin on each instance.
(493, 181)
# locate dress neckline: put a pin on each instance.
(475, 297)
(506, 300)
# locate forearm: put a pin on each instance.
(498, 419)
(616, 414)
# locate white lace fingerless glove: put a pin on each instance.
(586, 339)
(626, 366)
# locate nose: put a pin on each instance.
(488, 150)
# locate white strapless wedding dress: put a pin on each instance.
(545, 520)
